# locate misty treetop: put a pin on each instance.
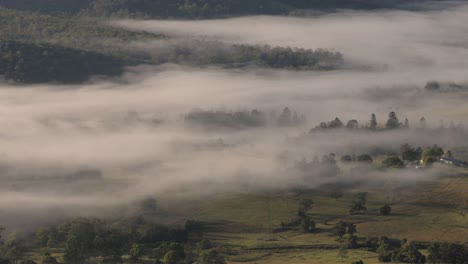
(244, 119)
(200, 52)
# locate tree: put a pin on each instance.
(343, 228)
(359, 202)
(432, 154)
(409, 153)
(48, 259)
(42, 235)
(308, 226)
(393, 162)
(385, 210)
(306, 204)
(174, 257)
(409, 254)
(336, 123)
(210, 257)
(15, 251)
(352, 124)
(383, 250)
(79, 244)
(373, 122)
(392, 121)
(136, 251)
(447, 253)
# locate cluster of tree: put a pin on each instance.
(345, 232)
(447, 253)
(364, 158)
(393, 162)
(52, 33)
(200, 52)
(336, 123)
(244, 119)
(307, 224)
(191, 8)
(437, 87)
(326, 167)
(70, 31)
(359, 204)
(404, 252)
(83, 239)
(38, 63)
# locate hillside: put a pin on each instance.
(193, 8)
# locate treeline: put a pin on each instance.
(30, 31)
(240, 55)
(190, 8)
(392, 122)
(84, 239)
(37, 63)
(244, 119)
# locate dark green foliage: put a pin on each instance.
(409, 153)
(432, 154)
(358, 206)
(408, 253)
(343, 228)
(15, 251)
(447, 253)
(176, 256)
(136, 251)
(307, 225)
(210, 257)
(392, 121)
(199, 52)
(191, 8)
(33, 63)
(385, 210)
(48, 259)
(393, 162)
(358, 262)
(79, 244)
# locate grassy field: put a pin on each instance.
(246, 225)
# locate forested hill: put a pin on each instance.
(38, 63)
(194, 8)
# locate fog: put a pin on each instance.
(132, 129)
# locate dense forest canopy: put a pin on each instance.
(192, 8)
(33, 63)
